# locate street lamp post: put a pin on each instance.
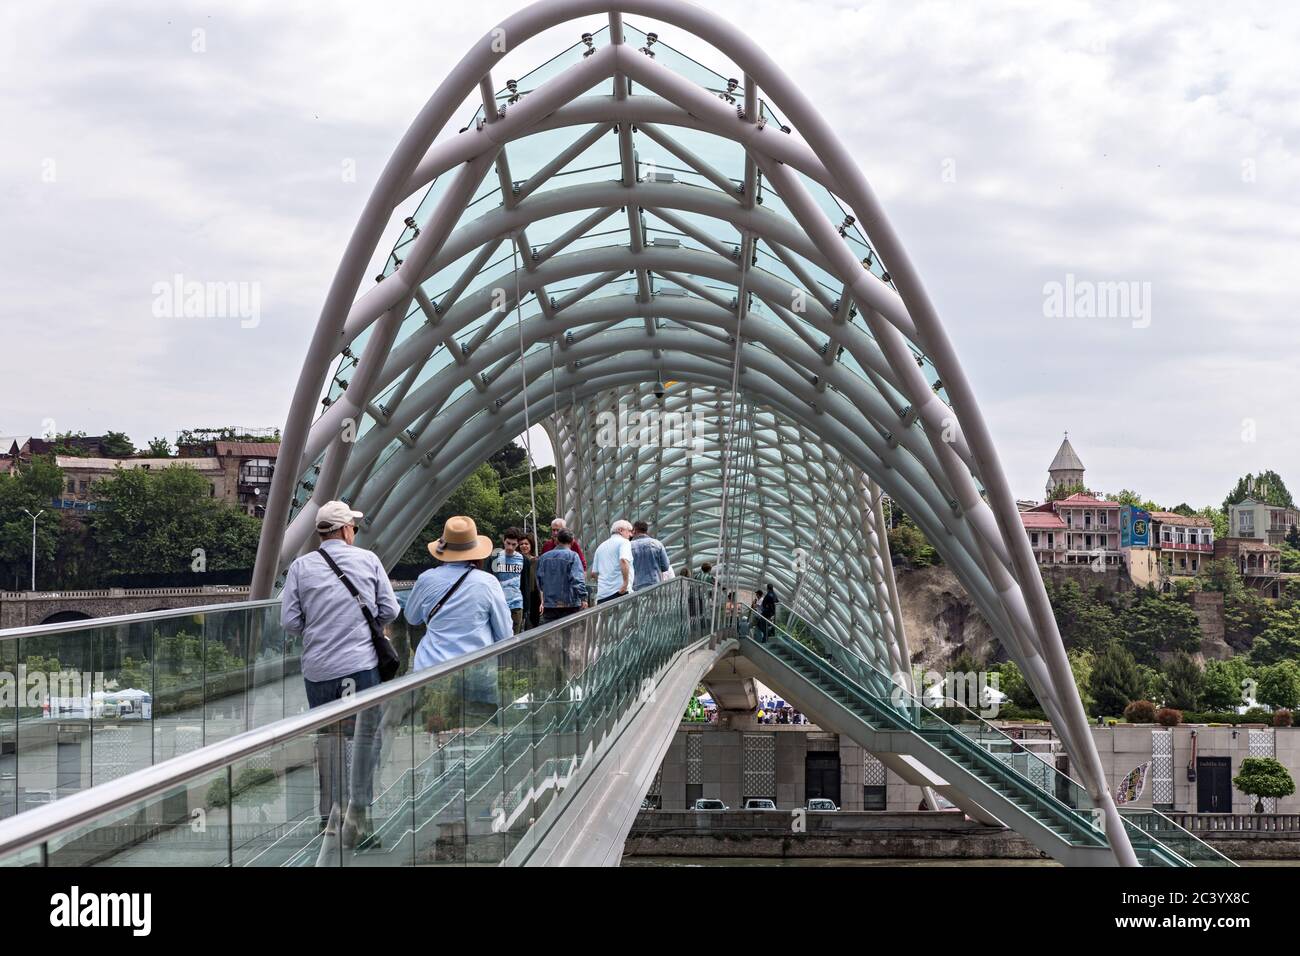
(33, 517)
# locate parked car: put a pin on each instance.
(757, 803)
(709, 803)
(822, 804)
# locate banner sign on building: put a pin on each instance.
(1130, 789)
(1134, 527)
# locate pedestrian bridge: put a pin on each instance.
(682, 274)
(535, 751)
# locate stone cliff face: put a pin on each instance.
(941, 620)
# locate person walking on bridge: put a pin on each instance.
(560, 577)
(461, 607)
(322, 591)
(511, 567)
(612, 563)
(649, 558)
(557, 526)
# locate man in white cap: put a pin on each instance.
(338, 653)
(612, 563)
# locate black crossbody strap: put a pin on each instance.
(365, 608)
(450, 591)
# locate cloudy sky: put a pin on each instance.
(1015, 145)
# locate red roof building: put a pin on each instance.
(1079, 529)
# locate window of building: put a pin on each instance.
(1033, 539)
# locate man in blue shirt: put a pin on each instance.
(612, 563)
(461, 606)
(649, 557)
(508, 566)
(559, 575)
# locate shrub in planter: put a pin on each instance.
(1282, 718)
(1169, 717)
(1257, 715)
(1140, 712)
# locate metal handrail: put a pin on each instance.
(39, 825)
(62, 627)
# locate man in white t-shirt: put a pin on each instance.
(612, 563)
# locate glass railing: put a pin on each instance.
(86, 702)
(1057, 801)
(454, 765)
(1158, 827)
(1057, 791)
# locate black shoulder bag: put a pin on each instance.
(385, 653)
(443, 600)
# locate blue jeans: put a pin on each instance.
(363, 730)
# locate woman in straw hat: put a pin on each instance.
(461, 607)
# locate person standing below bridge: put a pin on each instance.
(612, 563)
(557, 526)
(560, 577)
(649, 558)
(509, 565)
(338, 653)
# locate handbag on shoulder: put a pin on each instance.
(385, 653)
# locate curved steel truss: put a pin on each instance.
(625, 228)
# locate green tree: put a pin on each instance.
(509, 459)
(1012, 683)
(1263, 777)
(29, 489)
(1280, 639)
(1081, 664)
(1279, 685)
(117, 445)
(1083, 620)
(1064, 491)
(1221, 686)
(65, 443)
(150, 522)
(1267, 487)
(1126, 496)
(1153, 623)
(159, 448)
(1115, 681)
(1293, 537)
(909, 542)
(1218, 519)
(1183, 682)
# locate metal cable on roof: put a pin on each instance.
(523, 375)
